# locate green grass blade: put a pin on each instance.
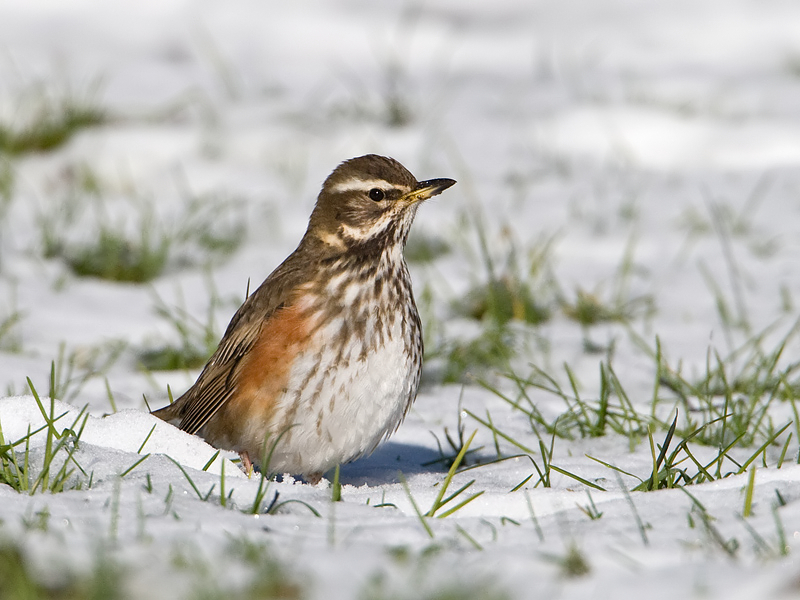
(577, 478)
(134, 465)
(418, 512)
(748, 495)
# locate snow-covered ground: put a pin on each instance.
(642, 156)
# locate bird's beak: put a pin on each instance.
(427, 189)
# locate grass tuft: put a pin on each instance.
(270, 578)
(417, 576)
(20, 581)
(45, 119)
(10, 338)
(57, 470)
(732, 400)
(440, 500)
(197, 339)
(572, 563)
(492, 349)
(423, 248)
(112, 257)
(128, 238)
(511, 288)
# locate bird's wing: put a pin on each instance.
(217, 383)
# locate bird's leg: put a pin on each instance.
(247, 464)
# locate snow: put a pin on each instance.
(670, 128)
(130, 431)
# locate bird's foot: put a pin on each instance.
(247, 464)
(313, 478)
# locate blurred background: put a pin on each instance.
(622, 166)
(615, 274)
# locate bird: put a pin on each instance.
(323, 361)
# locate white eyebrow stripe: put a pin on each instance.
(361, 185)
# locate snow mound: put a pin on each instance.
(130, 430)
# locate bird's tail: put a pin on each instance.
(171, 413)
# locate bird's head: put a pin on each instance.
(368, 203)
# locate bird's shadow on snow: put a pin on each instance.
(383, 465)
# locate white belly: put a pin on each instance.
(332, 415)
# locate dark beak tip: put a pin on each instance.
(437, 186)
(447, 183)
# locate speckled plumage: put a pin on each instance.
(323, 360)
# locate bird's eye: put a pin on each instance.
(376, 194)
